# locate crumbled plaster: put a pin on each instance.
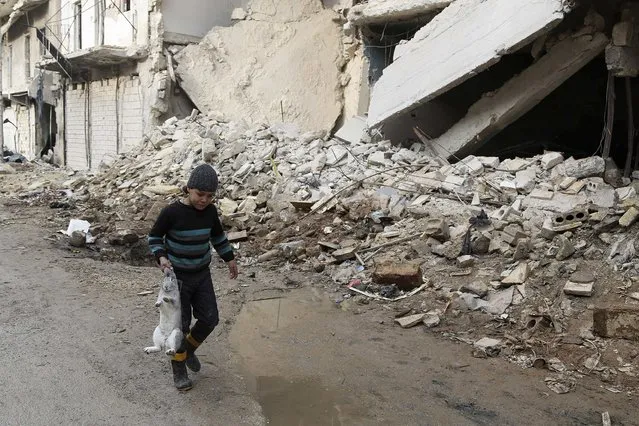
(381, 11)
(281, 64)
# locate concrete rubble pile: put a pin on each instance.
(526, 241)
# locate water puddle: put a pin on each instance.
(284, 362)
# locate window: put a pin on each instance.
(77, 25)
(126, 5)
(27, 56)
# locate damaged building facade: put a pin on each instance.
(459, 77)
(84, 80)
(503, 78)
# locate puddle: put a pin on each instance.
(281, 342)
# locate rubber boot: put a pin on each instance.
(180, 376)
(191, 359)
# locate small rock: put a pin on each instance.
(476, 287)
(406, 276)
(269, 255)
(77, 239)
(518, 276)
(431, 320)
(551, 159)
(492, 347)
(344, 254)
(582, 277)
(410, 321)
(465, 261)
(566, 248)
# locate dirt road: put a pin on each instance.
(73, 331)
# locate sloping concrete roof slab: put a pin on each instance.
(464, 39)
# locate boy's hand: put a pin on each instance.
(233, 272)
(165, 264)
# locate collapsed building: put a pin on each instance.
(83, 80)
(87, 82)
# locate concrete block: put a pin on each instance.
(453, 183)
(490, 162)
(406, 276)
(518, 276)
(551, 159)
(616, 321)
(542, 194)
(525, 180)
(587, 167)
(437, 229)
(470, 165)
(578, 289)
(629, 218)
(570, 217)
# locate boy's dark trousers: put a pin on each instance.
(197, 296)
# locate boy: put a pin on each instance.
(181, 239)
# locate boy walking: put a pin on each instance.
(181, 239)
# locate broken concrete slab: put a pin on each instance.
(551, 159)
(344, 254)
(629, 218)
(238, 236)
(578, 289)
(353, 130)
(466, 38)
(270, 68)
(410, 320)
(559, 203)
(406, 276)
(383, 11)
(616, 321)
(491, 114)
(586, 167)
(518, 276)
(490, 346)
(476, 287)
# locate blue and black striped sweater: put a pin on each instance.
(184, 235)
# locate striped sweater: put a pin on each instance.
(184, 235)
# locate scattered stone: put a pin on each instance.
(616, 321)
(163, 189)
(410, 320)
(629, 218)
(578, 289)
(566, 248)
(437, 229)
(492, 347)
(123, 238)
(406, 276)
(587, 167)
(431, 320)
(551, 159)
(582, 277)
(239, 236)
(269, 255)
(465, 261)
(77, 239)
(490, 162)
(344, 254)
(518, 276)
(6, 169)
(476, 287)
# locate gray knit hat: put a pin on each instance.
(204, 178)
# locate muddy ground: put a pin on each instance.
(286, 353)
